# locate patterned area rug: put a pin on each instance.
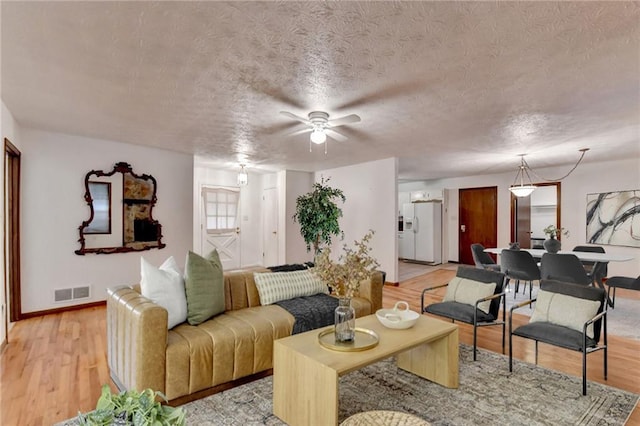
(623, 321)
(487, 395)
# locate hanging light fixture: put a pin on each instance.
(522, 190)
(243, 177)
(525, 188)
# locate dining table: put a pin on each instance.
(583, 256)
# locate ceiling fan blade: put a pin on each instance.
(296, 117)
(344, 120)
(335, 135)
(300, 132)
(397, 90)
(280, 128)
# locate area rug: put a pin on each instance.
(623, 321)
(488, 395)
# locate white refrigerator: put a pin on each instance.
(422, 232)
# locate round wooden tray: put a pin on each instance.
(364, 339)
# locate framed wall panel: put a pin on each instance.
(613, 218)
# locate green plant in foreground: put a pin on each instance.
(132, 408)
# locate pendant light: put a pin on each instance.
(522, 190)
(525, 188)
(243, 177)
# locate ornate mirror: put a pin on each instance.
(121, 220)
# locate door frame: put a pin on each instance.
(12, 160)
(514, 208)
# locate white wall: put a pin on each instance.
(250, 210)
(591, 177)
(297, 183)
(371, 203)
(53, 169)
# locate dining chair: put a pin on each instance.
(569, 316)
(473, 297)
(595, 270)
(628, 283)
(563, 267)
(482, 259)
(519, 265)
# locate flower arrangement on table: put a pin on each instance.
(353, 266)
(553, 232)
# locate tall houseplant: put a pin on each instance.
(318, 214)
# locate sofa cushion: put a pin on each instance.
(276, 286)
(204, 287)
(464, 290)
(567, 311)
(165, 286)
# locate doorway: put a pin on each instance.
(270, 227)
(478, 223)
(531, 214)
(220, 224)
(12, 300)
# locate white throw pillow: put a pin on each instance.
(276, 286)
(568, 311)
(464, 290)
(165, 286)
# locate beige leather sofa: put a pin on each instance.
(190, 362)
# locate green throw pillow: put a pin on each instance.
(204, 286)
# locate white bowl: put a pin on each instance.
(397, 318)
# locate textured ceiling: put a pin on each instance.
(451, 88)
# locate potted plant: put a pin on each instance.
(318, 214)
(552, 243)
(344, 277)
(132, 408)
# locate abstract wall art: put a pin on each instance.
(613, 218)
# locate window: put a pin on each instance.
(220, 209)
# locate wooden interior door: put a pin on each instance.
(478, 220)
(521, 208)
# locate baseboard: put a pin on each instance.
(391, 283)
(28, 315)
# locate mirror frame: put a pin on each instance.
(120, 167)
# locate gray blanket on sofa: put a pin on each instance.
(310, 312)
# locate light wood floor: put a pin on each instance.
(55, 365)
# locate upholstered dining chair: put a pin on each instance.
(628, 283)
(569, 316)
(482, 259)
(600, 270)
(519, 265)
(563, 267)
(473, 297)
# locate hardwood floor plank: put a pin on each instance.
(55, 366)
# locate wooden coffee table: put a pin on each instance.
(305, 374)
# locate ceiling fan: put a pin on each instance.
(320, 126)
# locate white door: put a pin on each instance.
(220, 224)
(270, 227)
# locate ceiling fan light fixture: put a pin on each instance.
(318, 136)
(243, 177)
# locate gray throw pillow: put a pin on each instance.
(204, 286)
